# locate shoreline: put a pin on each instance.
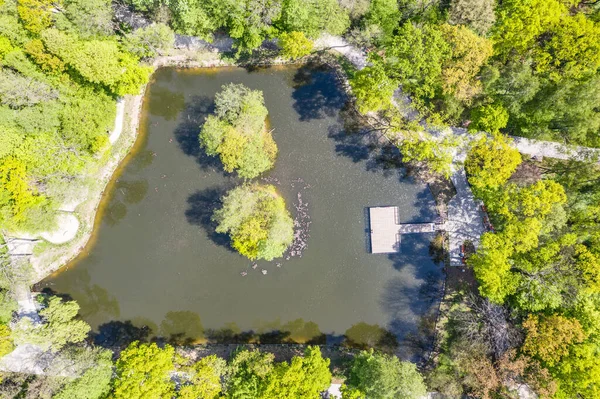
(90, 211)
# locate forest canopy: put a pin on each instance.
(61, 71)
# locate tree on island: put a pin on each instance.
(257, 221)
(237, 132)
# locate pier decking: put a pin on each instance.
(386, 232)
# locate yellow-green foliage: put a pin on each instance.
(237, 132)
(295, 45)
(205, 378)
(143, 372)
(17, 197)
(257, 221)
(469, 53)
(36, 15)
(373, 89)
(491, 162)
(6, 343)
(549, 338)
(57, 103)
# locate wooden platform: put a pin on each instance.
(386, 232)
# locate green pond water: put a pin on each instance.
(158, 268)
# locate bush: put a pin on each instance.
(255, 218)
(237, 132)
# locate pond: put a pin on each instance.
(157, 267)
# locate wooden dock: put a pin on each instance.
(386, 232)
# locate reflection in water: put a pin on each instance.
(182, 328)
(165, 103)
(125, 193)
(92, 299)
(363, 335)
(142, 160)
(132, 192)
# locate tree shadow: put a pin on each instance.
(412, 307)
(317, 93)
(186, 133)
(363, 144)
(425, 203)
(201, 206)
(119, 334)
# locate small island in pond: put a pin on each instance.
(237, 132)
(257, 221)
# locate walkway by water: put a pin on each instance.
(465, 220)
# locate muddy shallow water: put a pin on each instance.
(158, 268)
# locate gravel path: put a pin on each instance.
(116, 133)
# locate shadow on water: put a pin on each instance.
(186, 133)
(404, 302)
(185, 328)
(201, 206)
(426, 206)
(317, 94)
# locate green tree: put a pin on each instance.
(149, 41)
(380, 376)
(98, 61)
(90, 17)
(18, 91)
(512, 261)
(373, 89)
(18, 199)
(384, 14)
(573, 51)
(294, 45)
(520, 22)
(94, 380)
(8, 305)
(415, 57)
(477, 14)
(305, 377)
(191, 17)
(143, 371)
(489, 118)
(491, 162)
(255, 218)
(237, 132)
(313, 17)
(205, 381)
(248, 374)
(469, 53)
(59, 326)
(35, 15)
(422, 147)
(6, 342)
